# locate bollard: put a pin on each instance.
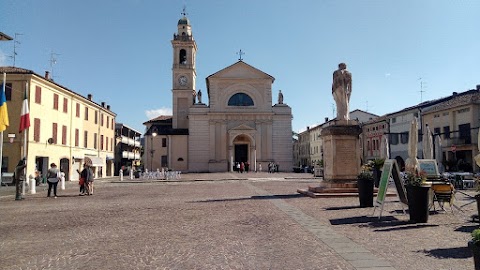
(121, 174)
(32, 184)
(131, 174)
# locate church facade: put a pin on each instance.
(239, 124)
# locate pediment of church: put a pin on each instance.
(241, 70)
(242, 127)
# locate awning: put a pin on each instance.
(110, 158)
(93, 161)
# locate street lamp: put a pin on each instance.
(152, 151)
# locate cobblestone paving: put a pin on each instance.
(226, 224)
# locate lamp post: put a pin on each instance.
(152, 151)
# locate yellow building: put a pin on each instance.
(65, 128)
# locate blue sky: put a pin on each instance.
(120, 50)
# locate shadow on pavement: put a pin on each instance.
(409, 226)
(467, 229)
(449, 253)
(264, 197)
(360, 219)
(342, 207)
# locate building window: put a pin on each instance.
(164, 142)
(95, 140)
(464, 110)
(65, 105)
(85, 139)
(106, 143)
(240, 99)
(112, 124)
(101, 142)
(96, 117)
(464, 133)
(55, 102)
(404, 137)
(38, 95)
(164, 161)
(77, 137)
(420, 136)
(108, 122)
(394, 120)
(36, 129)
(54, 132)
(64, 135)
(86, 113)
(8, 91)
(77, 110)
(101, 119)
(446, 132)
(111, 145)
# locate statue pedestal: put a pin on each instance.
(341, 161)
(341, 153)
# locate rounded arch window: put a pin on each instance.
(240, 99)
(183, 56)
(180, 159)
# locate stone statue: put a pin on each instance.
(199, 96)
(280, 97)
(341, 91)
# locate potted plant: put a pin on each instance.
(377, 165)
(417, 195)
(365, 187)
(474, 245)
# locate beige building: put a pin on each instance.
(65, 127)
(239, 123)
(455, 120)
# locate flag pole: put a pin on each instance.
(25, 148)
(1, 133)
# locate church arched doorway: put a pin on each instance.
(241, 149)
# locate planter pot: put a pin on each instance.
(376, 177)
(418, 200)
(365, 192)
(477, 197)
(476, 254)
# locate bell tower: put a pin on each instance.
(183, 72)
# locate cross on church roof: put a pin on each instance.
(240, 53)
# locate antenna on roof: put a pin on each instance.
(15, 45)
(184, 11)
(53, 61)
(423, 85)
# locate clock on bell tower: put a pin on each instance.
(183, 72)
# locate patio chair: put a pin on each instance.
(443, 193)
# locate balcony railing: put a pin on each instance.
(456, 141)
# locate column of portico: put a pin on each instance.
(269, 146)
(223, 140)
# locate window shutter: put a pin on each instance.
(64, 135)
(38, 94)
(36, 129)
(65, 105)
(55, 101)
(54, 132)
(76, 137)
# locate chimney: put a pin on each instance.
(47, 75)
(326, 119)
(103, 104)
(308, 128)
(89, 96)
(478, 87)
(454, 93)
(108, 107)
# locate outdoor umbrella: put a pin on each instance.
(384, 152)
(427, 144)
(412, 161)
(438, 153)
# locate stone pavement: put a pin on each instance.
(223, 221)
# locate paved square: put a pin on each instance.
(226, 221)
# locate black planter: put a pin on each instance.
(376, 176)
(365, 192)
(477, 197)
(476, 254)
(418, 203)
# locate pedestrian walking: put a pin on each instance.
(242, 167)
(53, 176)
(81, 181)
(89, 180)
(19, 176)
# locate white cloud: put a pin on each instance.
(157, 112)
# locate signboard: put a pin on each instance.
(429, 166)
(390, 169)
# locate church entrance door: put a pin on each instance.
(241, 152)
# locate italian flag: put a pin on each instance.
(25, 115)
